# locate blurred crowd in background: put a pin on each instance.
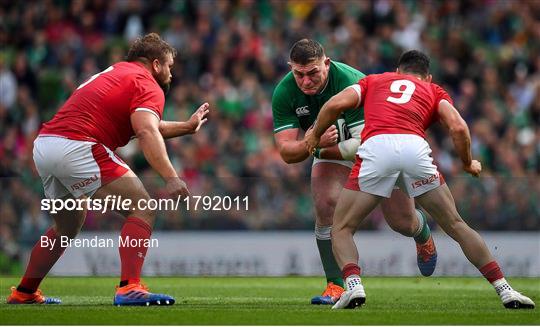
(486, 54)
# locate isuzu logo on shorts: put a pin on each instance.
(426, 181)
(84, 183)
(302, 111)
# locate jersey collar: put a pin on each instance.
(325, 84)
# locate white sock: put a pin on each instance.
(352, 281)
(420, 219)
(501, 285)
(323, 233)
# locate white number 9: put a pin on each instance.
(405, 94)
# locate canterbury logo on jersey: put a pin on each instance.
(302, 111)
(84, 183)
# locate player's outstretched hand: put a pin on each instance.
(474, 168)
(177, 187)
(199, 117)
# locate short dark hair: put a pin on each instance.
(305, 51)
(415, 62)
(149, 47)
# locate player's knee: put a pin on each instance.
(143, 210)
(147, 215)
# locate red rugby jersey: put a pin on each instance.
(99, 110)
(399, 104)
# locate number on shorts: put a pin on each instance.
(94, 77)
(405, 94)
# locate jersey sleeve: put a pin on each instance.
(147, 96)
(282, 114)
(440, 94)
(363, 89)
(354, 116)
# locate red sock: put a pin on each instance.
(41, 261)
(492, 271)
(132, 257)
(350, 269)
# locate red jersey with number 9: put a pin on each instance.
(99, 110)
(399, 104)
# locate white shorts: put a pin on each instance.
(345, 163)
(75, 167)
(387, 160)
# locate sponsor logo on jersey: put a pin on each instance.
(84, 183)
(302, 111)
(426, 181)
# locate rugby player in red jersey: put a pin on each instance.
(296, 101)
(74, 156)
(398, 108)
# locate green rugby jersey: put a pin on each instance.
(291, 108)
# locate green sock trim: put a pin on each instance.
(337, 281)
(330, 266)
(424, 234)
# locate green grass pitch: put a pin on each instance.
(275, 301)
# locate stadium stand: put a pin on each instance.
(231, 54)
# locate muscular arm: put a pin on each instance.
(293, 150)
(331, 153)
(290, 149)
(169, 129)
(459, 131)
(146, 128)
(348, 98)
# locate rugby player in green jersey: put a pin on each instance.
(296, 101)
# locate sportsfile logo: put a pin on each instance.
(84, 183)
(426, 181)
(302, 111)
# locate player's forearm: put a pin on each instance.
(293, 152)
(169, 129)
(329, 113)
(462, 142)
(331, 153)
(155, 152)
